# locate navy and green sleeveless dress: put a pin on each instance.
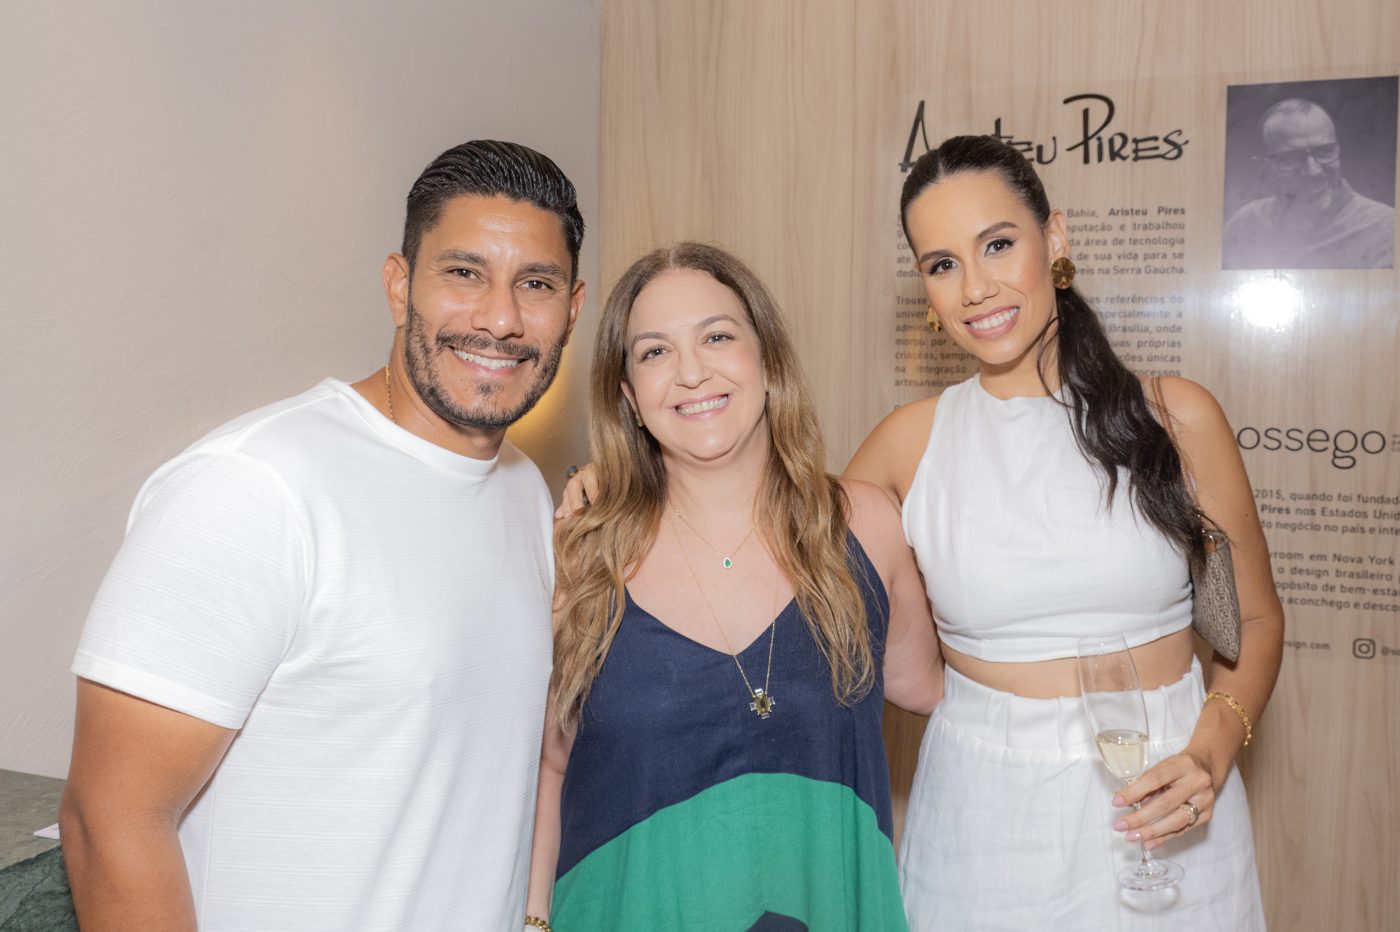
(683, 810)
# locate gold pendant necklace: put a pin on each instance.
(762, 700)
(725, 560)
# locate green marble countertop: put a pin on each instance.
(34, 893)
(27, 802)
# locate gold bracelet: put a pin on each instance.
(1239, 710)
(538, 923)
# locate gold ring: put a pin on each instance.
(1192, 813)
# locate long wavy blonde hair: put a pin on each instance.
(801, 509)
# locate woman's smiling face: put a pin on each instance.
(694, 368)
(985, 262)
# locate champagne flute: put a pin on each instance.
(1108, 685)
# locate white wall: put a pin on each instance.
(195, 200)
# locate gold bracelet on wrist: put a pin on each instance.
(1239, 710)
(538, 923)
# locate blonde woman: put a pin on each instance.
(729, 619)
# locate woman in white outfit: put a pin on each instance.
(1046, 503)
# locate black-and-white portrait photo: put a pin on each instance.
(1310, 175)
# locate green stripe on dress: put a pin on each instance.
(775, 843)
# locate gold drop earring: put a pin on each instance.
(934, 323)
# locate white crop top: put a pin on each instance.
(1019, 551)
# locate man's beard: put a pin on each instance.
(420, 349)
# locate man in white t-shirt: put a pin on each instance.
(312, 687)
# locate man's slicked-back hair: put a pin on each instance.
(488, 168)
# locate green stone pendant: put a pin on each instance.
(728, 563)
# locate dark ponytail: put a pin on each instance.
(1107, 408)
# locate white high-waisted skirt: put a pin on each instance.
(1010, 824)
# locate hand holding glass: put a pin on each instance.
(1108, 685)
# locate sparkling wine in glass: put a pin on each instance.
(1124, 752)
(1108, 684)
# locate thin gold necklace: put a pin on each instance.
(389, 395)
(725, 560)
(761, 703)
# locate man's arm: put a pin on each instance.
(136, 767)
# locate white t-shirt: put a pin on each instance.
(372, 612)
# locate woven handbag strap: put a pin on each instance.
(1165, 416)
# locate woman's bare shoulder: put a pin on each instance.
(1195, 414)
(890, 455)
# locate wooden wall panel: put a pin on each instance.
(699, 166)
(776, 127)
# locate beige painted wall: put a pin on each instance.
(195, 203)
(775, 128)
